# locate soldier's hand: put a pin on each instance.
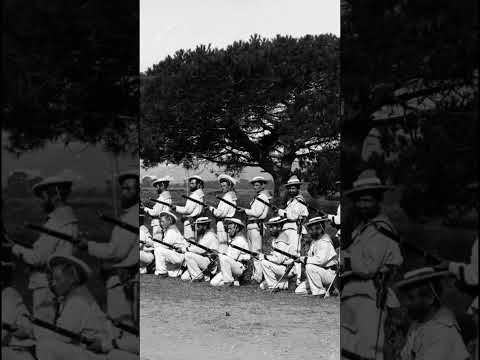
(240, 209)
(442, 266)
(261, 257)
(82, 243)
(281, 212)
(96, 345)
(302, 259)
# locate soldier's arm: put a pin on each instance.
(256, 210)
(38, 255)
(115, 250)
(323, 252)
(187, 209)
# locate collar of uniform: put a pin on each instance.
(78, 291)
(63, 214)
(232, 194)
(324, 237)
(444, 317)
(197, 192)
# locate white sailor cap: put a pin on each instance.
(367, 181)
(234, 221)
(225, 177)
(52, 180)
(293, 181)
(128, 174)
(420, 275)
(202, 220)
(166, 212)
(164, 179)
(259, 179)
(316, 220)
(277, 220)
(57, 259)
(195, 177)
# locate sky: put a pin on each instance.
(167, 26)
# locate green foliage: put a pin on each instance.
(70, 73)
(256, 103)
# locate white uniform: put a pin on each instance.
(195, 257)
(437, 339)
(257, 213)
(122, 244)
(222, 211)
(369, 252)
(293, 212)
(63, 220)
(15, 313)
(80, 314)
(318, 269)
(146, 248)
(191, 210)
(158, 208)
(168, 261)
(231, 266)
(470, 271)
(273, 272)
(335, 218)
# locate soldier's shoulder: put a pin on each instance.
(264, 195)
(383, 225)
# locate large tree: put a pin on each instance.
(261, 102)
(70, 73)
(411, 67)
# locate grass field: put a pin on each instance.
(17, 211)
(183, 320)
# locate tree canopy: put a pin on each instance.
(261, 102)
(412, 65)
(70, 73)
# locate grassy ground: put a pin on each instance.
(183, 320)
(17, 211)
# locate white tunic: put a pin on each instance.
(294, 210)
(258, 210)
(158, 208)
(224, 210)
(192, 209)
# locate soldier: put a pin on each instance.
(275, 264)
(17, 341)
(224, 210)
(256, 214)
(146, 246)
(198, 259)
(232, 262)
(434, 333)
(122, 244)
(295, 212)
(369, 263)
(53, 192)
(79, 313)
(192, 210)
(161, 185)
(321, 261)
(170, 262)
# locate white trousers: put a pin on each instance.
(222, 237)
(318, 279)
(44, 308)
(168, 262)
(195, 264)
(118, 305)
(53, 349)
(229, 271)
(255, 243)
(188, 229)
(294, 239)
(272, 273)
(146, 257)
(359, 321)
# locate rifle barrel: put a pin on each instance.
(61, 331)
(194, 200)
(161, 202)
(50, 232)
(228, 202)
(119, 223)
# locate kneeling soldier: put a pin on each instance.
(196, 258)
(169, 262)
(321, 261)
(146, 246)
(275, 264)
(232, 262)
(434, 333)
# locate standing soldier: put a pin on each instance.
(168, 261)
(232, 262)
(53, 192)
(161, 185)
(256, 214)
(196, 258)
(123, 244)
(275, 264)
(321, 261)
(192, 210)
(369, 264)
(224, 210)
(295, 212)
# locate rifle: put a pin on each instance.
(318, 211)
(251, 253)
(8, 327)
(171, 247)
(203, 247)
(271, 206)
(195, 201)
(228, 203)
(119, 223)
(161, 202)
(130, 329)
(61, 331)
(51, 232)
